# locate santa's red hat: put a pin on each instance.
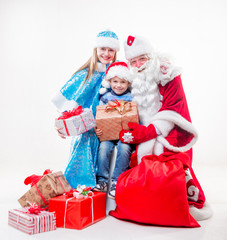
(136, 46)
(116, 69)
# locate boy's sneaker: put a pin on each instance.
(100, 187)
(111, 193)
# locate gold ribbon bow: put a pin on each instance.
(121, 106)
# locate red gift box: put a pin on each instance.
(114, 117)
(30, 223)
(78, 213)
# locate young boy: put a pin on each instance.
(118, 76)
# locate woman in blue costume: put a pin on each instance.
(83, 89)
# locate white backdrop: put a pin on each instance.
(43, 42)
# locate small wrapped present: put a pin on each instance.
(32, 220)
(44, 187)
(78, 211)
(114, 117)
(76, 122)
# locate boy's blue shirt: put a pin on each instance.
(111, 96)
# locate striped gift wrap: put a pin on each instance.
(29, 223)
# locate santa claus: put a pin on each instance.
(165, 123)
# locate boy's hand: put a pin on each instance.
(98, 131)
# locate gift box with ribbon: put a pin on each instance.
(32, 220)
(76, 122)
(114, 117)
(44, 187)
(77, 211)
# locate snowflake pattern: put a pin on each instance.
(128, 137)
(81, 165)
(107, 34)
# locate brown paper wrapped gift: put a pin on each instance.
(50, 185)
(114, 117)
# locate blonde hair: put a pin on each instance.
(91, 64)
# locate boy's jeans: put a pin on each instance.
(104, 154)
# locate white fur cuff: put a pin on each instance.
(62, 104)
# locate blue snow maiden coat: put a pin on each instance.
(83, 151)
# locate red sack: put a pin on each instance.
(154, 192)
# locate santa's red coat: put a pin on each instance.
(174, 100)
(183, 135)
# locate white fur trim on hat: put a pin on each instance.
(116, 69)
(102, 91)
(119, 71)
(136, 46)
(105, 84)
(107, 39)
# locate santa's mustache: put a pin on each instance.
(140, 69)
(147, 68)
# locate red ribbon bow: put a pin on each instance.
(85, 192)
(33, 179)
(74, 112)
(34, 209)
(114, 104)
(70, 193)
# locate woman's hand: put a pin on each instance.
(59, 133)
(98, 131)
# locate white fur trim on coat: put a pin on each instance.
(164, 121)
(101, 67)
(201, 214)
(163, 126)
(62, 104)
(178, 120)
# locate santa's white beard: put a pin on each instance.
(145, 91)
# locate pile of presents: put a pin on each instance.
(51, 202)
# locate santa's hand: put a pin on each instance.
(138, 134)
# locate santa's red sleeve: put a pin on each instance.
(173, 119)
(174, 98)
(174, 122)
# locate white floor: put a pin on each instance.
(212, 178)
